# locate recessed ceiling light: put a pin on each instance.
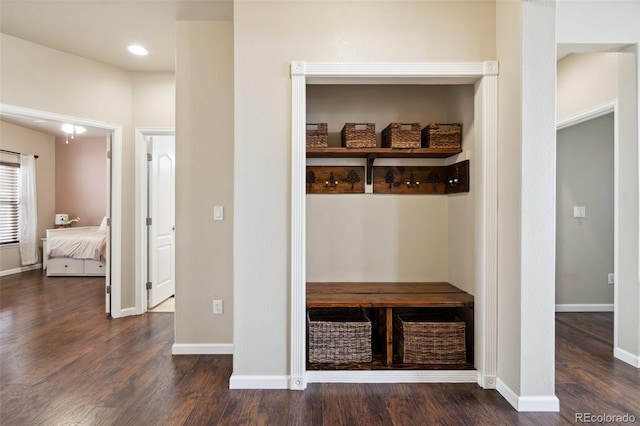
(136, 49)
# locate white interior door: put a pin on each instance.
(162, 215)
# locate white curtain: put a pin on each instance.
(27, 210)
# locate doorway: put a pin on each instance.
(155, 217)
(585, 216)
(113, 163)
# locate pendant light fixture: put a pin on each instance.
(70, 129)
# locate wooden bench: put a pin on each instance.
(385, 296)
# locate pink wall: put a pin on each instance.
(81, 179)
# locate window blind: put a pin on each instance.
(8, 203)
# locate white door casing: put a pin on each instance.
(161, 197)
(484, 75)
(107, 283)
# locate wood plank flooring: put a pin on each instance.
(63, 362)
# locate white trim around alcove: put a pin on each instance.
(485, 77)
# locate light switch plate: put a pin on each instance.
(579, 211)
(218, 213)
(217, 307)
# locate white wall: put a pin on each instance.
(509, 47)
(526, 234)
(271, 35)
(584, 246)
(537, 326)
(617, 23)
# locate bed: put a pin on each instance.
(78, 251)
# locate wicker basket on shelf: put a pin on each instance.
(354, 135)
(401, 135)
(430, 339)
(339, 336)
(442, 135)
(317, 136)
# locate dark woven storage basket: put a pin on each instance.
(354, 137)
(401, 135)
(318, 137)
(443, 135)
(339, 336)
(430, 339)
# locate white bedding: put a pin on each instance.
(80, 243)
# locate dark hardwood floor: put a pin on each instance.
(63, 362)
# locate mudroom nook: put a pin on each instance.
(414, 250)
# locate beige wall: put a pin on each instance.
(20, 139)
(509, 46)
(81, 179)
(204, 179)
(584, 246)
(268, 36)
(373, 237)
(153, 99)
(586, 80)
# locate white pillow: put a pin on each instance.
(103, 225)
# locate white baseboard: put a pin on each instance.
(586, 307)
(327, 376)
(507, 393)
(393, 376)
(258, 382)
(21, 269)
(627, 357)
(528, 403)
(128, 312)
(539, 404)
(202, 349)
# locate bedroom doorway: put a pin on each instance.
(155, 217)
(36, 119)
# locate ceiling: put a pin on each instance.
(101, 30)
(49, 127)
